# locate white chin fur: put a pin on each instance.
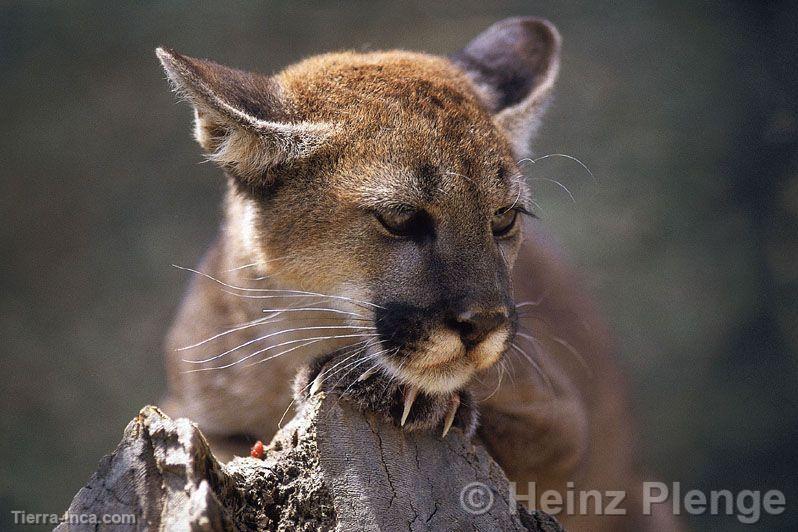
(440, 380)
(444, 365)
(490, 350)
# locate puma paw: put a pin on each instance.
(373, 390)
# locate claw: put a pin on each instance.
(317, 382)
(410, 395)
(367, 374)
(447, 424)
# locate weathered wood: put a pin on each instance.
(331, 468)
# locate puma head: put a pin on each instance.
(390, 178)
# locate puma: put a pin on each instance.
(378, 235)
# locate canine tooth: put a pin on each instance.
(410, 395)
(447, 424)
(367, 374)
(317, 382)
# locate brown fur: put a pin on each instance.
(311, 154)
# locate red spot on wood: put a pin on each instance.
(257, 450)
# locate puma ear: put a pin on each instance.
(514, 64)
(241, 118)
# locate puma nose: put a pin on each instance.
(474, 326)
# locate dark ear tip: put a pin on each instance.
(168, 56)
(171, 60)
(176, 65)
(163, 52)
(544, 28)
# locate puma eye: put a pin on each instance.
(503, 221)
(398, 223)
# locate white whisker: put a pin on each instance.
(280, 291)
(288, 342)
(269, 319)
(500, 368)
(270, 335)
(570, 195)
(244, 267)
(329, 372)
(355, 366)
(316, 309)
(504, 258)
(306, 343)
(534, 365)
(241, 327)
(574, 352)
(517, 197)
(566, 156)
(533, 302)
(309, 384)
(461, 175)
(314, 341)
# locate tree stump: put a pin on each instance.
(330, 468)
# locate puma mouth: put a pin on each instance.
(444, 364)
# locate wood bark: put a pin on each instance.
(330, 468)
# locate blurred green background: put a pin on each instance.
(686, 114)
